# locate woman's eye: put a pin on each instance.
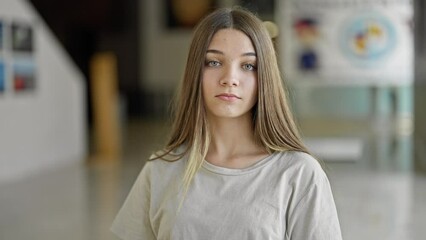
(213, 63)
(249, 67)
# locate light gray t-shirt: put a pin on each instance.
(283, 196)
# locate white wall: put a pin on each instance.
(163, 51)
(43, 128)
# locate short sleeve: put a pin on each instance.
(132, 221)
(314, 216)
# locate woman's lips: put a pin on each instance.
(227, 97)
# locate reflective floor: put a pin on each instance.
(377, 194)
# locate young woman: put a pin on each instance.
(234, 167)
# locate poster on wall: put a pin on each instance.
(2, 77)
(347, 41)
(22, 38)
(24, 77)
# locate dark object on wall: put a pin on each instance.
(22, 38)
(420, 24)
(187, 13)
(1, 36)
(2, 77)
(263, 8)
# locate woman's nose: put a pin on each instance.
(230, 77)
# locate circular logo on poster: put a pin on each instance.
(368, 38)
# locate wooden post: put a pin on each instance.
(105, 102)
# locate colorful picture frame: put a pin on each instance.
(24, 75)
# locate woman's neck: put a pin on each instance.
(233, 143)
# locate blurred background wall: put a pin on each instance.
(42, 98)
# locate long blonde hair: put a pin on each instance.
(273, 123)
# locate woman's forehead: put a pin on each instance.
(231, 41)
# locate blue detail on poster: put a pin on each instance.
(308, 60)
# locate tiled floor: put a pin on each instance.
(377, 196)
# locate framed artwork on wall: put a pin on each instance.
(24, 77)
(17, 57)
(22, 38)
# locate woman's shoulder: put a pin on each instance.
(169, 155)
(164, 160)
(159, 173)
(300, 164)
(298, 159)
(300, 172)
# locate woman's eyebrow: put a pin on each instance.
(249, 54)
(221, 53)
(215, 51)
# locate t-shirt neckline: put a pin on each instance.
(238, 171)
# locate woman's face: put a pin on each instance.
(229, 79)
